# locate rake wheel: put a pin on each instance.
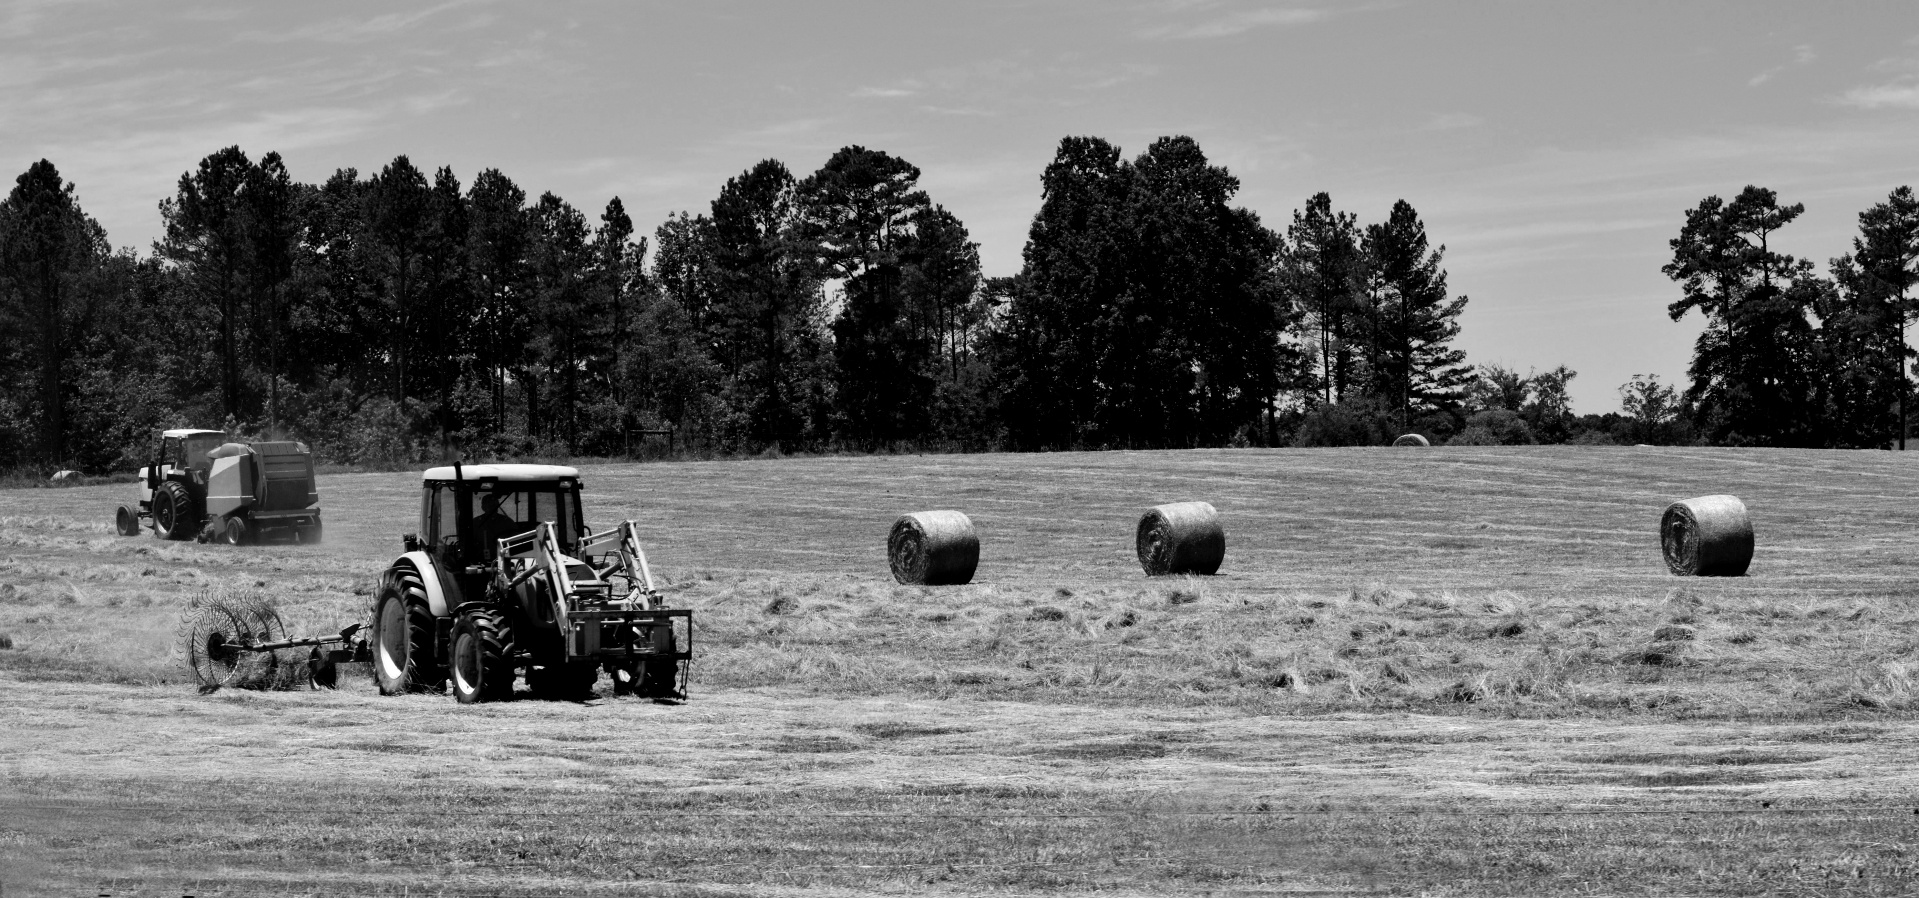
(217, 634)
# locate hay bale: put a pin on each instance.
(1710, 536)
(1412, 439)
(1181, 538)
(933, 548)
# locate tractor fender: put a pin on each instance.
(429, 578)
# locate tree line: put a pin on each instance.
(403, 316)
(1790, 356)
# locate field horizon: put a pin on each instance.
(1426, 671)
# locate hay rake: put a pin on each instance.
(240, 641)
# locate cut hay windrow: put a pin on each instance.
(933, 548)
(1181, 538)
(1412, 439)
(1710, 536)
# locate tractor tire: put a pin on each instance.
(402, 638)
(236, 532)
(565, 681)
(126, 521)
(173, 512)
(481, 671)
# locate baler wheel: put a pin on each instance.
(235, 532)
(480, 669)
(173, 512)
(403, 638)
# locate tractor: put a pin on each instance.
(203, 485)
(503, 576)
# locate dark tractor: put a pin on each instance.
(203, 485)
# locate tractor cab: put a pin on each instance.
(466, 510)
(185, 451)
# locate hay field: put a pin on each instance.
(1447, 671)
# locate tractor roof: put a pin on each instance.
(531, 473)
(190, 432)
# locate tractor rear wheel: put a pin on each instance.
(173, 511)
(126, 521)
(403, 638)
(481, 671)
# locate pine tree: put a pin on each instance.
(1321, 268)
(1887, 253)
(1413, 364)
(855, 217)
(1063, 307)
(1752, 379)
(47, 245)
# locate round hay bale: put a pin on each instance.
(1412, 439)
(1710, 536)
(933, 548)
(1181, 538)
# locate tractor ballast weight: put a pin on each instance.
(502, 577)
(203, 485)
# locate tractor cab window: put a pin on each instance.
(191, 451)
(444, 516)
(509, 509)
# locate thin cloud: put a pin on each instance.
(1238, 23)
(1803, 55)
(1897, 95)
(883, 93)
(345, 30)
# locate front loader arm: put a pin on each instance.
(539, 549)
(625, 559)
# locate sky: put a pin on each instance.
(1552, 147)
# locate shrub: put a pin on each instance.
(1353, 422)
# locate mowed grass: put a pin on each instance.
(1450, 671)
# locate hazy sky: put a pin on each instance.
(1552, 147)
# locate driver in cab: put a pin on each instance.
(493, 524)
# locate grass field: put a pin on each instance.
(1451, 671)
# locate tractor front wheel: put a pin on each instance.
(481, 671)
(403, 638)
(173, 512)
(126, 521)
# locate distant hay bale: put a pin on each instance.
(1710, 536)
(1411, 439)
(933, 548)
(1181, 538)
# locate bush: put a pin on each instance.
(1494, 427)
(1353, 422)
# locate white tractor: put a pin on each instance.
(503, 576)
